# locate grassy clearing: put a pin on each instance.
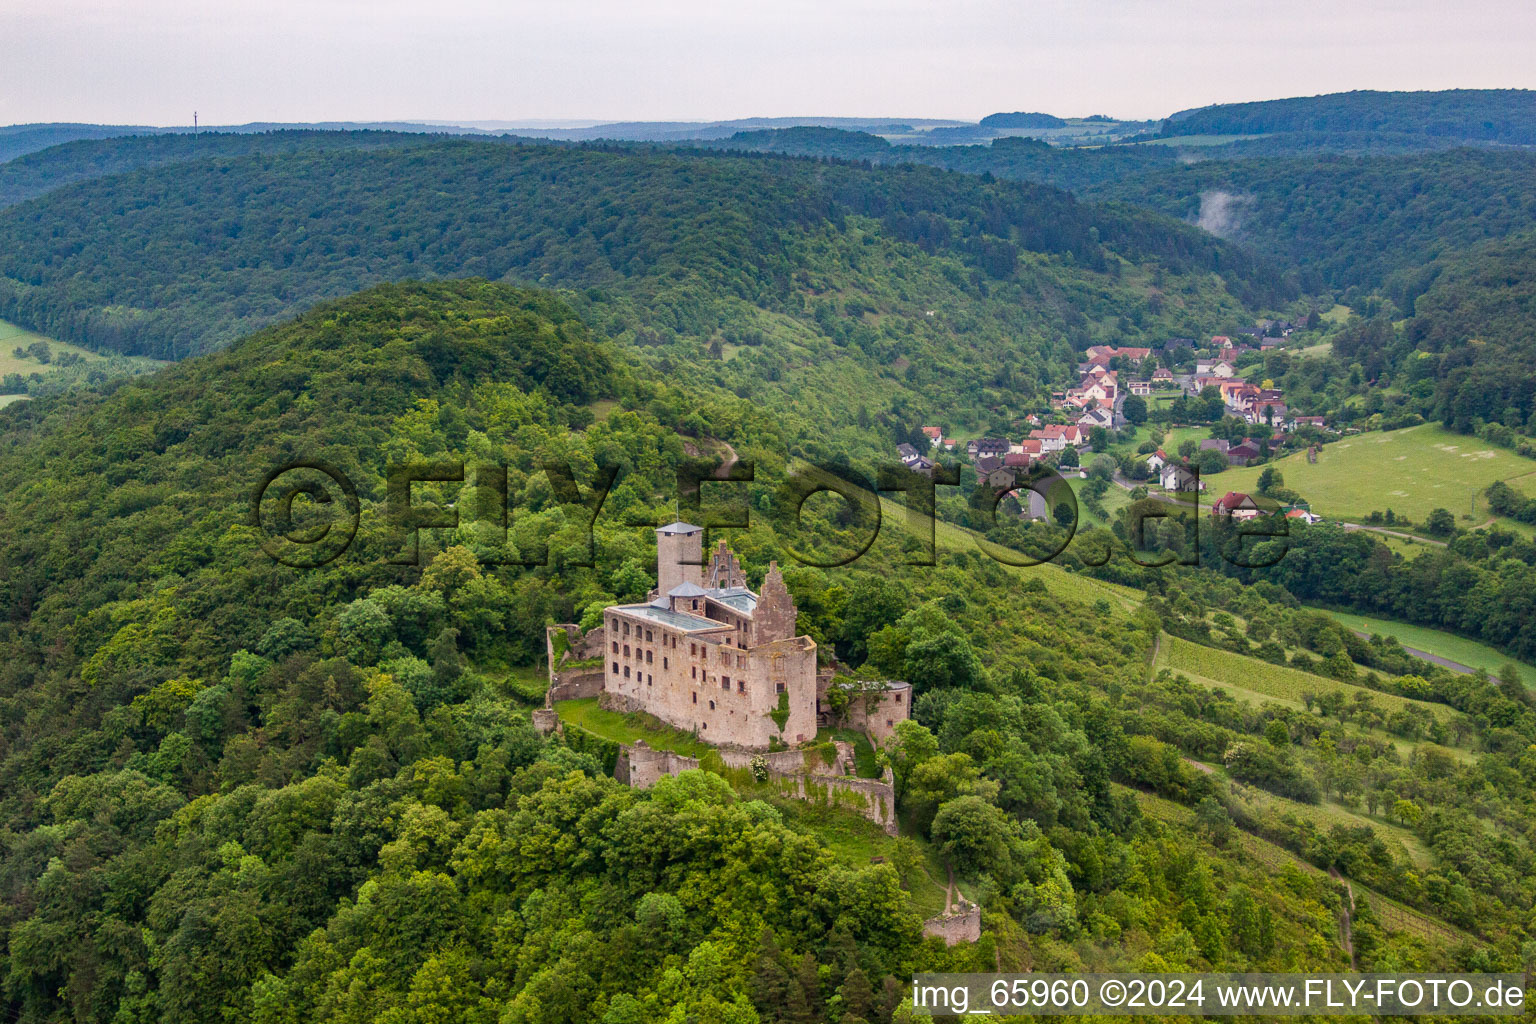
(1414, 470)
(623, 728)
(1115, 498)
(1058, 582)
(863, 751)
(1234, 672)
(1444, 645)
(13, 336)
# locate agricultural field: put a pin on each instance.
(1439, 643)
(1248, 676)
(1261, 804)
(1414, 471)
(1394, 915)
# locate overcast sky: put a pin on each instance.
(155, 61)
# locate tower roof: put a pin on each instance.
(687, 590)
(679, 527)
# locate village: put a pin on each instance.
(1118, 390)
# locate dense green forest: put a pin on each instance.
(1015, 158)
(232, 789)
(923, 292)
(1366, 222)
(235, 790)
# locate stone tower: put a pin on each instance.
(724, 569)
(774, 618)
(679, 556)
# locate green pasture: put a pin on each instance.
(1439, 643)
(1414, 471)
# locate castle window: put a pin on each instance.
(693, 650)
(778, 687)
(741, 661)
(626, 650)
(626, 629)
(898, 698)
(741, 686)
(647, 636)
(663, 662)
(711, 707)
(626, 671)
(647, 679)
(648, 658)
(725, 682)
(887, 721)
(695, 698)
(695, 671)
(615, 647)
(615, 668)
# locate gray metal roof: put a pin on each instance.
(687, 590)
(667, 617)
(739, 598)
(680, 527)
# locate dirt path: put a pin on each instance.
(1394, 533)
(1347, 918)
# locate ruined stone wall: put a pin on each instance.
(791, 762)
(879, 721)
(574, 683)
(640, 765)
(875, 799)
(962, 924)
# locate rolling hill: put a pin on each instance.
(938, 293)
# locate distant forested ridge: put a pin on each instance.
(1022, 119)
(35, 173)
(1014, 158)
(1349, 221)
(180, 259)
(1505, 116)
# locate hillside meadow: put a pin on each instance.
(1439, 643)
(1411, 471)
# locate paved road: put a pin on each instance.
(1435, 659)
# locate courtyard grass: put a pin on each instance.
(618, 727)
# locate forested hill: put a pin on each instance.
(1014, 158)
(1505, 116)
(902, 283)
(1370, 222)
(234, 791)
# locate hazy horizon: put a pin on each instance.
(682, 60)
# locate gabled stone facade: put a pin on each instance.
(708, 655)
